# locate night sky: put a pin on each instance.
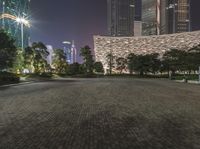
(54, 21)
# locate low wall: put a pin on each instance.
(122, 46)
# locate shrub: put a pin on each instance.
(98, 67)
(45, 75)
(8, 77)
(74, 69)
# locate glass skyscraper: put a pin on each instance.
(149, 17)
(121, 17)
(10, 10)
(178, 13)
(165, 16)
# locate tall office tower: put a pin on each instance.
(153, 17)
(73, 53)
(165, 16)
(13, 19)
(51, 54)
(121, 17)
(178, 16)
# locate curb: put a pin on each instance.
(189, 82)
(16, 84)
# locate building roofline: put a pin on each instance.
(150, 36)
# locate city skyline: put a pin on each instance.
(83, 20)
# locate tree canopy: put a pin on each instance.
(59, 61)
(8, 51)
(88, 59)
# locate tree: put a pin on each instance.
(40, 55)
(131, 62)
(88, 59)
(110, 60)
(154, 62)
(194, 57)
(141, 64)
(29, 56)
(35, 58)
(175, 60)
(121, 64)
(41, 48)
(18, 64)
(8, 51)
(192, 61)
(98, 67)
(59, 61)
(144, 63)
(74, 69)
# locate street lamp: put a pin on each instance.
(22, 22)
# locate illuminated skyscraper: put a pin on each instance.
(10, 11)
(165, 16)
(121, 17)
(178, 15)
(73, 53)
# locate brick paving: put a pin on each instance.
(100, 114)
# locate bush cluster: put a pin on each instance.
(9, 77)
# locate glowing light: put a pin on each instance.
(66, 42)
(5, 15)
(23, 20)
(17, 19)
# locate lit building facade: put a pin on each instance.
(10, 10)
(123, 46)
(120, 17)
(137, 28)
(165, 16)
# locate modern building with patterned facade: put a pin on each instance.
(10, 12)
(120, 17)
(122, 46)
(165, 16)
(137, 28)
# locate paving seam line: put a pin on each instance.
(17, 84)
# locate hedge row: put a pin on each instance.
(9, 77)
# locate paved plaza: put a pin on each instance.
(100, 114)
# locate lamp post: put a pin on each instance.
(3, 21)
(22, 22)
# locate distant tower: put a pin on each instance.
(73, 53)
(67, 51)
(120, 17)
(50, 56)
